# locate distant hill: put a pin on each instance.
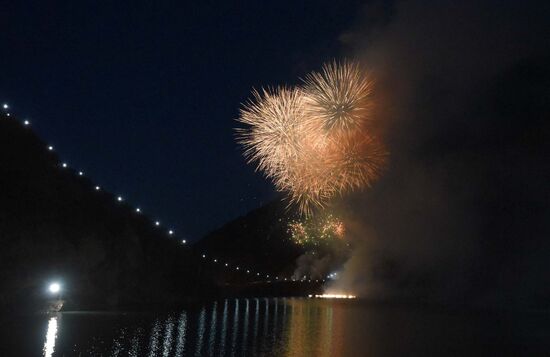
(259, 239)
(54, 224)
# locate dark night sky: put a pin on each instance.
(143, 97)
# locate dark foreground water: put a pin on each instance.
(282, 327)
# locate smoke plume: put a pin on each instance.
(461, 213)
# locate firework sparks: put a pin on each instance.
(315, 231)
(275, 128)
(311, 141)
(339, 96)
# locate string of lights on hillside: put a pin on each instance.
(205, 258)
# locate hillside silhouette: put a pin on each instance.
(55, 225)
(258, 239)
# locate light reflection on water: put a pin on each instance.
(51, 335)
(182, 329)
(274, 327)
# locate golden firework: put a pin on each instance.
(339, 96)
(312, 142)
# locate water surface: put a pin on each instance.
(282, 327)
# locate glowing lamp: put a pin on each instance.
(54, 288)
(119, 199)
(64, 164)
(157, 223)
(50, 148)
(5, 106)
(170, 232)
(26, 122)
(204, 255)
(138, 210)
(184, 241)
(80, 173)
(97, 188)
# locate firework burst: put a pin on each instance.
(273, 139)
(339, 96)
(317, 231)
(312, 141)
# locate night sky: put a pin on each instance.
(143, 97)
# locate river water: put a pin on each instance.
(282, 327)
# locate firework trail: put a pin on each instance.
(312, 141)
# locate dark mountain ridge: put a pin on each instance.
(55, 225)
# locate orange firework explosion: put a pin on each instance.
(339, 96)
(312, 141)
(274, 137)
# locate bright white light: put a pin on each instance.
(5, 106)
(119, 199)
(50, 148)
(170, 232)
(138, 210)
(184, 241)
(204, 255)
(64, 164)
(54, 288)
(157, 223)
(51, 335)
(26, 122)
(248, 271)
(80, 173)
(97, 188)
(8, 114)
(226, 264)
(237, 268)
(215, 260)
(258, 274)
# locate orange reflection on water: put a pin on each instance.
(314, 329)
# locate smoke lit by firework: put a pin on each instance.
(312, 232)
(313, 141)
